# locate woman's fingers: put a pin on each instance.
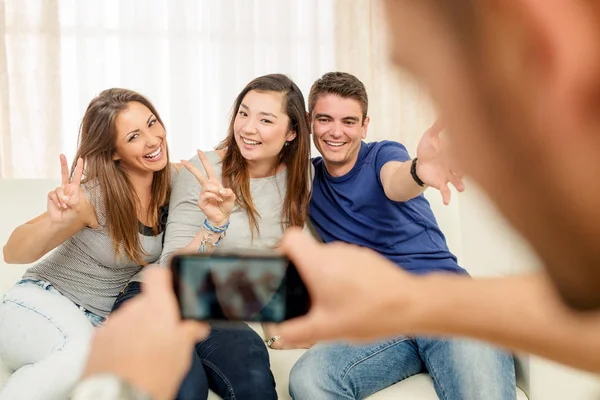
(206, 196)
(64, 170)
(62, 197)
(227, 194)
(78, 172)
(210, 172)
(53, 197)
(195, 171)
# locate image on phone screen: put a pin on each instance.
(239, 288)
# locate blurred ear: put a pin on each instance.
(365, 126)
(568, 33)
(309, 119)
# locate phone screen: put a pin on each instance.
(237, 287)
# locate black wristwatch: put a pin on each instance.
(413, 172)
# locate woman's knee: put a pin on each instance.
(254, 378)
(237, 363)
(195, 384)
(256, 384)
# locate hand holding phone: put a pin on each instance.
(251, 287)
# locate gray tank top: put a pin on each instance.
(85, 268)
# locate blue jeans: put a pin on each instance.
(233, 361)
(460, 369)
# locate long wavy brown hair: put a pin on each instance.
(295, 155)
(96, 146)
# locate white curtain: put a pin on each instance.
(190, 57)
(400, 110)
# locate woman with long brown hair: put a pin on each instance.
(101, 226)
(245, 194)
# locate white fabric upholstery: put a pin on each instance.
(21, 200)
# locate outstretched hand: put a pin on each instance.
(433, 166)
(215, 201)
(64, 202)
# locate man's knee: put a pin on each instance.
(312, 377)
(477, 367)
(478, 354)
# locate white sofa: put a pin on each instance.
(21, 200)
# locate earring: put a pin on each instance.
(287, 143)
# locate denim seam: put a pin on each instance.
(363, 359)
(371, 354)
(432, 373)
(221, 375)
(431, 369)
(20, 304)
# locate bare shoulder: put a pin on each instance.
(87, 212)
(220, 153)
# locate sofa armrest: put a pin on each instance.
(551, 381)
(523, 373)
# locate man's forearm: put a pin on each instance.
(400, 185)
(520, 313)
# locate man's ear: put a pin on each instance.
(568, 33)
(309, 120)
(365, 126)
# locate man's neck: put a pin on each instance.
(338, 170)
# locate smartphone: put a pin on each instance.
(250, 287)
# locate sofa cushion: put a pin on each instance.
(30, 196)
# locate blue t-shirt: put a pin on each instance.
(354, 209)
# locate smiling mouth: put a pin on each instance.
(155, 154)
(250, 142)
(334, 144)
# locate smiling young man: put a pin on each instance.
(371, 194)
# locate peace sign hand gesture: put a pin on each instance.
(64, 203)
(434, 167)
(215, 201)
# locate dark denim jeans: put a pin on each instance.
(233, 361)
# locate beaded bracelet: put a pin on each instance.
(210, 229)
(215, 229)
